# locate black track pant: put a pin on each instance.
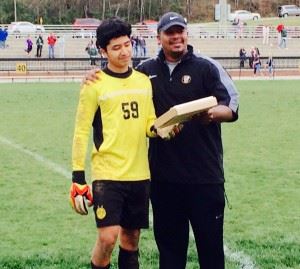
(175, 206)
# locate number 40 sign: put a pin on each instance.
(21, 67)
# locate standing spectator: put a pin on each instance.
(279, 28)
(256, 62)
(51, 43)
(143, 46)
(283, 41)
(4, 37)
(240, 26)
(251, 57)
(266, 34)
(39, 46)
(270, 66)
(28, 45)
(134, 43)
(2, 43)
(243, 57)
(92, 51)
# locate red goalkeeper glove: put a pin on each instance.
(78, 195)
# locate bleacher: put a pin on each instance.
(71, 59)
(212, 41)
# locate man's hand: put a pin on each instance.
(91, 76)
(205, 117)
(170, 131)
(219, 113)
(78, 194)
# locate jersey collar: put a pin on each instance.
(118, 75)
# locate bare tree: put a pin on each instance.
(149, 8)
(142, 10)
(117, 9)
(128, 10)
(103, 9)
(188, 9)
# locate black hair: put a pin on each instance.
(111, 28)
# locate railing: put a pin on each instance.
(11, 65)
(195, 31)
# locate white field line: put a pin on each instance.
(239, 257)
(39, 158)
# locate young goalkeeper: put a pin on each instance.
(120, 109)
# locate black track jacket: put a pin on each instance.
(194, 156)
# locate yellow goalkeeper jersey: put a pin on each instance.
(120, 109)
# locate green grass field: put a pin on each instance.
(262, 164)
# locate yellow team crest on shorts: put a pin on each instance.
(101, 212)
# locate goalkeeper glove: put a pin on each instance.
(79, 193)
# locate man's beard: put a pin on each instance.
(177, 54)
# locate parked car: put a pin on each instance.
(86, 24)
(243, 15)
(25, 27)
(288, 10)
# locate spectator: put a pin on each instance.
(266, 33)
(39, 46)
(5, 37)
(243, 57)
(283, 41)
(240, 27)
(142, 46)
(28, 46)
(51, 44)
(134, 43)
(270, 66)
(251, 57)
(256, 62)
(279, 29)
(2, 43)
(92, 51)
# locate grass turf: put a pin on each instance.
(39, 230)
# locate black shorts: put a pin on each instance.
(124, 203)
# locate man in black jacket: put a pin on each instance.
(187, 176)
(187, 173)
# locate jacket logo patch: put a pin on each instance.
(186, 79)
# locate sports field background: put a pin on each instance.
(38, 229)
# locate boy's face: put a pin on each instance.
(118, 53)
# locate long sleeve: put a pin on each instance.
(151, 116)
(85, 113)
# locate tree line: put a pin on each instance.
(65, 11)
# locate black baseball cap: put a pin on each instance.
(170, 19)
